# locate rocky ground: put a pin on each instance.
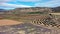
(26, 28)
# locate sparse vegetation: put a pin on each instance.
(32, 14)
(35, 13)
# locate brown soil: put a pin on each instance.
(4, 22)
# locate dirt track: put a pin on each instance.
(8, 22)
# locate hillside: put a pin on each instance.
(32, 9)
(24, 11)
(56, 9)
(33, 20)
(35, 15)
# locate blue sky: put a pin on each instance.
(11, 4)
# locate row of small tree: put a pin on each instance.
(46, 21)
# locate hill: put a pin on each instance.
(35, 15)
(56, 9)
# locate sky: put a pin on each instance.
(11, 4)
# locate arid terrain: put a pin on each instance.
(4, 22)
(34, 20)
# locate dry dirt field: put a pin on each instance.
(8, 22)
(55, 13)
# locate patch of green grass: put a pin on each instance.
(35, 13)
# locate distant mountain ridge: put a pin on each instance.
(32, 9)
(56, 9)
(1, 9)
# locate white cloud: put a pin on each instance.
(30, 0)
(19, 0)
(3, 1)
(8, 8)
(13, 5)
(52, 3)
(6, 5)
